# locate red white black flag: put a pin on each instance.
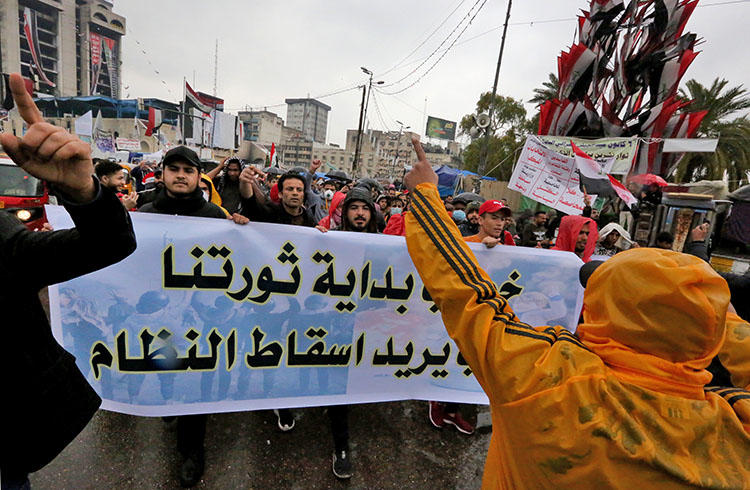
(29, 30)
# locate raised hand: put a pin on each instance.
(248, 177)
(49, 152)
(314, 166)
(422, 172)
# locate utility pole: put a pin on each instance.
(366, 89)
(216, 65)
(486, 145)
(359, 131)
(398, 147)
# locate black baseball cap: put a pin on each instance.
(584, 273)
(182, 154)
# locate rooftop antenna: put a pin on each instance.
(216, 65)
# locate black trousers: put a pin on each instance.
(339, 416)
(191, 432)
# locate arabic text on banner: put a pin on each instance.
(548, 177)
(624, 150)
(208, 316)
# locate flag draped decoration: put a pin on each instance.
(197, 108)
(273, 158)
(30, 32)
(620, 78)
(154, 120)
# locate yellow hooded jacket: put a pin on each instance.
(620, 405)
(213, 193)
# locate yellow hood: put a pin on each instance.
(656, 318)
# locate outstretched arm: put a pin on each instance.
(503, 352)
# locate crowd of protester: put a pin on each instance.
(243, 193)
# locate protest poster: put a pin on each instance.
(208, 316)
(623, 150)
(548, 177)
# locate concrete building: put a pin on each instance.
(77, 44)
(384, 154)
(297, 151)
(262, 127)
(309, 116)
(333, 157)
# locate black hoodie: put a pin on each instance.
(193, 205)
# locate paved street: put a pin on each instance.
(393, 446)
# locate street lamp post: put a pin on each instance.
(366, 89)
(398, 147)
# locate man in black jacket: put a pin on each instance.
(358, 215)
(47, 401)
(182, 196)
(291, 211)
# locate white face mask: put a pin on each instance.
(328, 194)
(206, 196)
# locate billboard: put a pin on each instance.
(440, 128)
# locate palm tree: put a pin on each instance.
(732, 155)
(548, 91)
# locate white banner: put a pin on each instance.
(623, 150)
(548, 177)
(208, 316)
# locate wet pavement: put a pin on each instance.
(393, 445)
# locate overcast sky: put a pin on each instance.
(272, 50)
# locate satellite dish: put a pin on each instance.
(483, 120)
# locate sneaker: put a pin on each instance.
(285, 419)
(191, 470)
(437, 415)
(457, 421)
(342, 464)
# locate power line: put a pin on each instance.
(425, 40)
(379, 114)
(440, 58)
(444, 40)
(323, 96)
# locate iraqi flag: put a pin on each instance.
(32, 39)
(154, 121)
(592, 174)
(273, 158)
(622, 192)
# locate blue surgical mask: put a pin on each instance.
(459, 215)
(395, 211)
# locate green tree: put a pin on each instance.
(547, 91)
(507, 135)
(507, 113)
(732, 155)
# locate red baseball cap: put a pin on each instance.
(493, 206)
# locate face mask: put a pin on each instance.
(395, 211)
(459, 215)
(328, 194)
(206, 196)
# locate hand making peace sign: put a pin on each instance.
(49, 152)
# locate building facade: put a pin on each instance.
(67, 47)
(309, 116)
(262, 127)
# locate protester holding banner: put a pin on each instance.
(47, 399)
(291, 211)
(493, 219)
(358, 216)
(182, 196)
(620, 404)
